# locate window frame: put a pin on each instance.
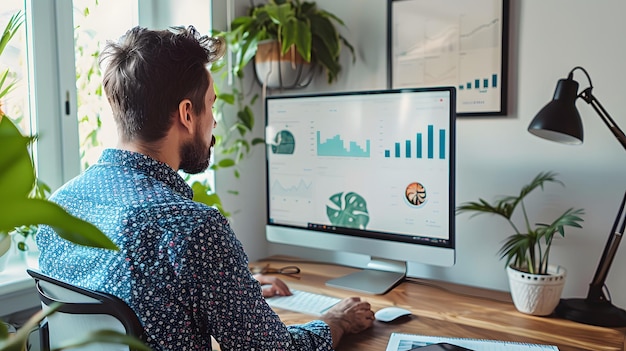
(52, 90)
(52, 87)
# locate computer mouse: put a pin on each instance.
(388, 314)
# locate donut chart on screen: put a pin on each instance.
(415, 194)
(284, 143)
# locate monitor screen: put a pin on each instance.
(369, 172)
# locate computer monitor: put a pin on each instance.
(368, 172)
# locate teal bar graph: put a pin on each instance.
(426, 145)
(418, 138)
(442, 144)
(476, 83)
(430, 141)
(335, 147)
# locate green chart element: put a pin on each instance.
(349, 210)
(284, 143)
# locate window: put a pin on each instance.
(54, 60)
(92, 28)
(13, 62)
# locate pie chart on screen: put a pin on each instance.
(415, 194)
(284, 143)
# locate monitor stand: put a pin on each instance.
(379, 277)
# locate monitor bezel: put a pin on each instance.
(369, 234)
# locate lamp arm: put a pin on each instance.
(596, 293)
(604, 115)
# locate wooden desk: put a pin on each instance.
(445, 309)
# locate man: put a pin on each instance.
(180, 266)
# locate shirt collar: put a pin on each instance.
(146, 164)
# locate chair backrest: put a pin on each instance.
(82, 311)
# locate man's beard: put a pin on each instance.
(195, 155)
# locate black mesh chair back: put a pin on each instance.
(82, 311)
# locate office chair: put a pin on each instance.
(81, 312)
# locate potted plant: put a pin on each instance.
(299, 27)
(527, 250)
(294, 32)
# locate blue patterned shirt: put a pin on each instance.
(180, 266)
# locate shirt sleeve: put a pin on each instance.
(229, 299)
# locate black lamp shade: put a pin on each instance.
(559, 120)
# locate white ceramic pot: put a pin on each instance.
(537, 294)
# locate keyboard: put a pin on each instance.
(304, 302)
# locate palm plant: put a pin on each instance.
(15, 22)
(528, 249)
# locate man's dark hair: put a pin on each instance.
(148, 73)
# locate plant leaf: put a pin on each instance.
(569, 218)
(18, 175)
(257, 141)
(327, 34)
(227, 162)
(297, 33)
(18, 341)
(39, 211)
(515, 249)
(227, 98)
(5, 90)
(10, 29)
(538, 182)
(326, 60)
(246, 116)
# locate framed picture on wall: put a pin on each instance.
(460, 43)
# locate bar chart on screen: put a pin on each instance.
(430, 145)
(337, 146)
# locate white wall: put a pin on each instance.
(495, 155)
(161, 14)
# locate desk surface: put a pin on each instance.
(445, 309)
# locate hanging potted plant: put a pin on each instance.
(536, 285)
(298, 29)
(288, 39)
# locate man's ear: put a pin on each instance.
(185, 115)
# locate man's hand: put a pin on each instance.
(272, 286)
(350, 315)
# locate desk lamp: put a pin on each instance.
(560, 121)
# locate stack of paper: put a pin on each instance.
(405, 342)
